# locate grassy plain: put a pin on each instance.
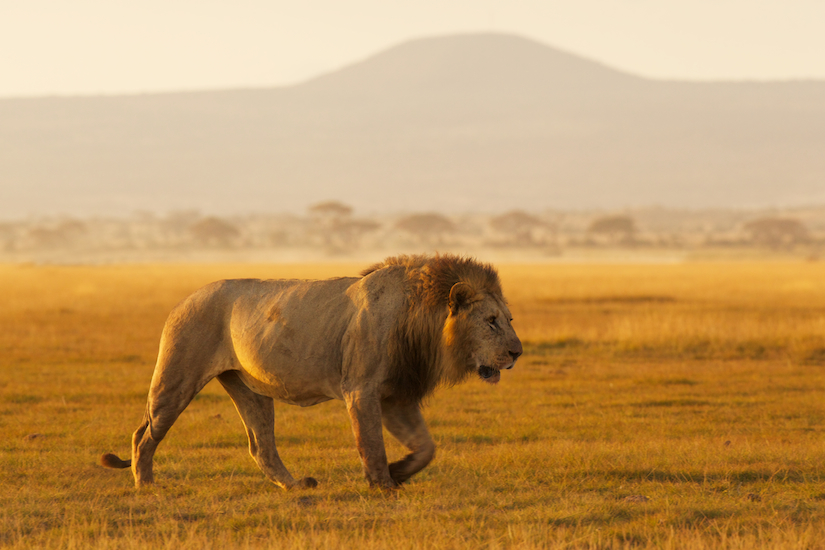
(656, 406)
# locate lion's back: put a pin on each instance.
(294, 339)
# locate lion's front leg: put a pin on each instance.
(365, 414)
(405, 422)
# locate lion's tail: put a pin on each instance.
(110, 460)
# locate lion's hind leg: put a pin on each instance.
(177, 379)
(158, 419)
(405, 423)
(258, 415)
(168, 397)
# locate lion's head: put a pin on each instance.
(456, 323)
(478, 332)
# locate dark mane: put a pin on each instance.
(433, 276)
(418, 362)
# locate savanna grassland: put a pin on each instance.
(656, 406)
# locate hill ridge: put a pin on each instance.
(403, 130)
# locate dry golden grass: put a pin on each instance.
(657, 406)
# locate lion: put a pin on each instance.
(381, 342)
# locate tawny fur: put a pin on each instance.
(381, 343)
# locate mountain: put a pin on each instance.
(473, 122)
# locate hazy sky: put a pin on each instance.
(113, 46)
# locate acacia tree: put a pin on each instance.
(328, 214)
(618, 229)
(520, 226)
(212, 231)
(330, 210)
(429, 228)
(777, 232)
(350, 232)
(66, 234)
(339, 232)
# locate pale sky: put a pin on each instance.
(69, 47)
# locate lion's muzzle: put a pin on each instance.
(515, 352)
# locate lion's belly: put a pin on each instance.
(290, 385)
(272, 365)
(287, 342)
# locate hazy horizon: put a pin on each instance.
(91, 47)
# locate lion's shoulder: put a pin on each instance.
(439, 272)
(429, 278)
(406, 261)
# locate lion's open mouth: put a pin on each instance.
(489, 374)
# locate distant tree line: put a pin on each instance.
(332, 227)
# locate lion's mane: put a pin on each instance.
(422, 354)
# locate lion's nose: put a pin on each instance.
(517, 350)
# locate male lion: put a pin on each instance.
(380, 342)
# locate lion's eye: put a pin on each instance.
(492, 321)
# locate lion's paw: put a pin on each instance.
(399, 471)
(385, 486)
(307, 483)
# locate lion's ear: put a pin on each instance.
(460, 295)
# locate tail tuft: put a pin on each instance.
(113, 461)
